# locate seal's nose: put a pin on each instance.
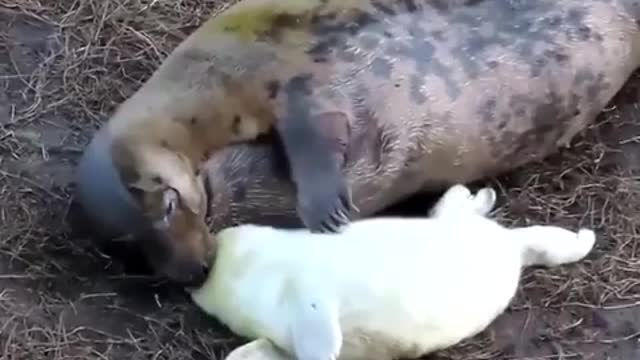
(190, 276)
(201, 276)
(197, 280)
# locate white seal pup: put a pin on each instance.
(383, 288)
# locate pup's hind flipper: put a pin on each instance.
(458, 199)
(484, 201)
(261, 349)
(553, 245)
(452, 201)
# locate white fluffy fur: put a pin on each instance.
(384, 288)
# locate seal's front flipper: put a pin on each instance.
(315, 146)
(261, 349)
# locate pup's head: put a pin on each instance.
(169, 192)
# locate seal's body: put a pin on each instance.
(371, 101)
(456, 94)
(384, 288)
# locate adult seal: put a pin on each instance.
(369, 100)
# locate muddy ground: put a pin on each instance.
(65, 64)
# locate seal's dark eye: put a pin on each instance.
(170, 208)
(169, 202)
(136, 193)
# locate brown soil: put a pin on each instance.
(65, 64)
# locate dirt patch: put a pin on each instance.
(65, 64)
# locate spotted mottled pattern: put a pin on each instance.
(419, 94)
(437, 91)
(380, 33)
(429, 49)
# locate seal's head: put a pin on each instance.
(166, 221)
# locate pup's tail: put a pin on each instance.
(552, 245)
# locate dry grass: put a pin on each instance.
(65, 64)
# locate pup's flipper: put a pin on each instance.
(260, 349)
(549, 245)
(315, 327)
